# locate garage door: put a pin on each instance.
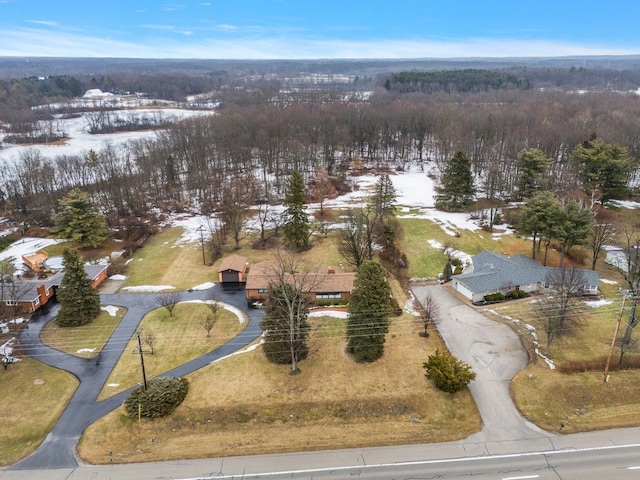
(230, 277)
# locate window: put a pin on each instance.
(263, 290)
(37, 301)
(12, 303)
(333, 295)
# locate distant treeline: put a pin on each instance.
(450, 81)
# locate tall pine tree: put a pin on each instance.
(369, 312)
(296, 222)
(79, 302)
(457, 189)
(80, 222)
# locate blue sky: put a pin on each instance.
(290, 29)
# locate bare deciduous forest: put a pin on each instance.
(284, 116)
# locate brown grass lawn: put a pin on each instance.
(33, 397)
(246, 405)
(86, 341)
(426, 261)
(179, 338)
(163, 261)
(581, 401)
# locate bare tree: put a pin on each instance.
(430, 313)
(233, 208)
(285, 320)
(168, 301)
(322, 188)
(560, 312)
(148, 337)
(630, 271)
(601, 232)
(356, 237)
(209, 320)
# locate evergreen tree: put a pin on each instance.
(383, 197)
(457, 189)
(296, 222)
(369, 312)
(79, 302)
(572, 227)
(603, 167)
(79, 221)
(286, 326)
(531, 165)
(538, 218)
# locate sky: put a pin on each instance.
(299, 29)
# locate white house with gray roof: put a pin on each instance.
(495, 273)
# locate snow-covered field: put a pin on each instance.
(80, 141)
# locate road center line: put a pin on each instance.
(422, 462)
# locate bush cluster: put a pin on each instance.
(161, 397)
(517, 294)
(494, 297)
(447, 372)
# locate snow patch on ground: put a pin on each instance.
(86, 350)
(204, 286)
(237, 312)
(148, 288)
(409, 305)
(25, 246)
(608, 282)
(328, 313)
(118, 277)
(626, 204)
(110, 309)
(250, 348)
(598, 303)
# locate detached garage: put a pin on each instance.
(232, 269)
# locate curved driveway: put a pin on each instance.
(58, 448)
(495, 353)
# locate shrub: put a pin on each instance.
(494, 297)
(447, 372)
(458, 270)
(161, 397)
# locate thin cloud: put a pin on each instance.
(226, 27)
(46, 23)
(168, 7)
(28, 42)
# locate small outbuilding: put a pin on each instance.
(233, 269)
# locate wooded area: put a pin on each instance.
(263, 133)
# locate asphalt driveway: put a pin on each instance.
(58, 448)
(495, 353)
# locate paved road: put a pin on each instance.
(495, 353)
(58, 448)
(585, 456)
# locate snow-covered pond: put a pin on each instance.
(80, 141)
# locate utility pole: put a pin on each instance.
(613, 341)
(201, 230)
(144, 375)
